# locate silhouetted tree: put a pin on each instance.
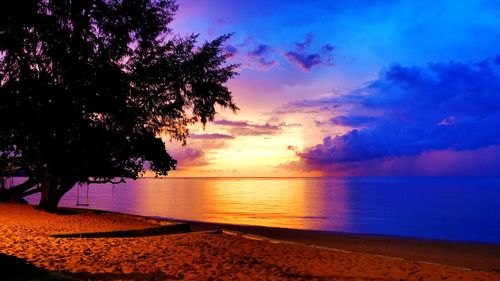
(88, 86)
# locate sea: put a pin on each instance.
(457, 209)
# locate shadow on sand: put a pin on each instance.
(14, 269)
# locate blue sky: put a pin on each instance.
(312, 53)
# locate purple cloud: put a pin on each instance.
(215, 136)
(251, 54)
(306, 61)
(230, 50)
(345, 148)
(257, 130)
(260, 50)
(189, 157)
(225, 122)
(309, 105)
(439, 107)
(319, 123)
(266, 64)
(328, 48)
(302, 46)
(245, 128)
(353, 121)
(259, 56)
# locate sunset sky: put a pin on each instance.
(341, 88)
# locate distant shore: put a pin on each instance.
(206, 255)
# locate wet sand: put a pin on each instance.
(193, 256)
(480, 256)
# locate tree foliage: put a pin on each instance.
(88, 86)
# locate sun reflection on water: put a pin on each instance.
(291, 203)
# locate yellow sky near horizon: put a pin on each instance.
(263, 148)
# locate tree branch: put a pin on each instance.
(23, 187)
(105, 181)
(29, 192)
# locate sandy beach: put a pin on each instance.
(206, 256)
(479, 256)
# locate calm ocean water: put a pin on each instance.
(463, 209)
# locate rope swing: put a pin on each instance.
(78, 196)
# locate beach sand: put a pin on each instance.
(479, 256)
(192, 256)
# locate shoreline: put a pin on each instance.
(463, 254)
(470, 255)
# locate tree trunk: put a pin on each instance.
(7, 195)
(51, 193)
(48, 202)
(18, 192)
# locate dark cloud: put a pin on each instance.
(302, 46)
(259, 56)
(305, 60)
(439, 107)
(306, 105)
(481, 162)
(353, 121)
(230, 50)
(260, 50)
(252, 54)
(346, 148)
(215, 136)
(327, 48)
(265, 64)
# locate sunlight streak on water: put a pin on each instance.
(464, 209)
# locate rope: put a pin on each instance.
(78, 196)
(87, 194)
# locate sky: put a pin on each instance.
(350, 88)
